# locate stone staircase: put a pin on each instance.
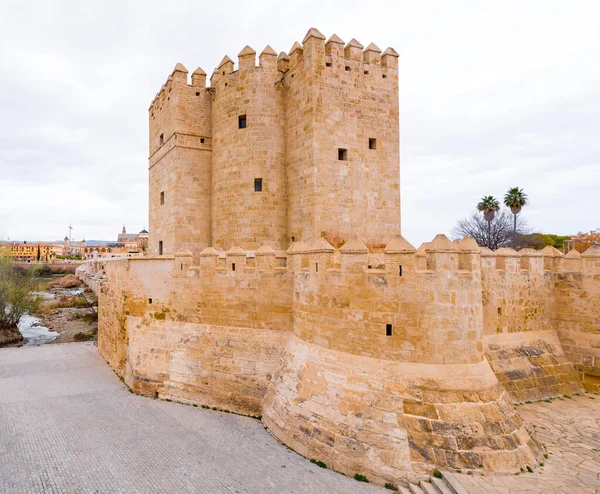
(446, 485)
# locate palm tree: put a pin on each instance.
(515, 199)
(488, 206)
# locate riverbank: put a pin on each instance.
(67, 313)
(69, 310)
(10, 337)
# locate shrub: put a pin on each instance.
(318, 463)
(361, 478)
(16, 298)
(437, 474)
(391, 486)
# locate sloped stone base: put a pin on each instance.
(387, 419)
(532, 365)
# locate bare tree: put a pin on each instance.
(499, 232)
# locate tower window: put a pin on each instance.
(149, 300)
(388, 330)
(242, 121)
(372, 143)
(347, 68)
(384, 76)
(258, 185)
(202, 140)
(400, 270)
(161, 139)
(366, 72)
(233, 266)
(160, 247)
(162, 198)
(342, 154)
(327, 64)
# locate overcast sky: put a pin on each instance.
(492, 95)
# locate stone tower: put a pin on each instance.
(294, 148)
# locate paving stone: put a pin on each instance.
(570, 431)
(68, 425)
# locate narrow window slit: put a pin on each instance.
(388, 330)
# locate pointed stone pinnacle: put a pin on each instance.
(247, 51)
(373, 47)
(335, 39)
(268, 51)
(390, 51)
(313, 33)
(225, 60)
(354, 44)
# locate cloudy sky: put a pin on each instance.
(492, 95)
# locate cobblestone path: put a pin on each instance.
(68, 425)
(570, 431)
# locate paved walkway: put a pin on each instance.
(570, 431)
(67, 424)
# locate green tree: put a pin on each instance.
(489, 206)
(515, 199)
(16, 299)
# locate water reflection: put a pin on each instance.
(36, 335)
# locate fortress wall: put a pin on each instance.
(341, 98)
(203, 334)
(180, 168)
(299, 110)
(240, 215)
(521, 343)
(578, 311)
(360, 104)
(377, 404)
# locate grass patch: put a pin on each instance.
(319, 463)
(438, 475)
(391, 486)
(546, 455)
(361, 478)
(84, 336)
(69, 301)
(568, 396)
(89, 317)
(529, 469)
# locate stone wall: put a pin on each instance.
(578, 312)
(304, 341)
(520, 321)
(342, 98)
(180, 164)
(206, 334)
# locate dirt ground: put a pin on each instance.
(63, 322)
(69, 320)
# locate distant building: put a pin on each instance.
(127, 244)
(31, 251)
